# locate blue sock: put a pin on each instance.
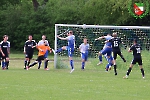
(25, 63)
(107, 67)
(83, 63)
(100, 58)
(71, 64)
(59, 50)
(3, 64)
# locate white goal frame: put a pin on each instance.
(92, 26)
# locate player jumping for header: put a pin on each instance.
(116, 41)
(104, 50)
(70, 48)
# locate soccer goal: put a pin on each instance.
(126, 33)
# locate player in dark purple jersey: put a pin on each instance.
(29, 50)
(137, 58)
(116, 41)
(4, 52)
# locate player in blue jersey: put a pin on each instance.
(105, 48)
(43, 42)
(84, 47)
(70, 48)
(107, 51)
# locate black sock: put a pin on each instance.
(129, 70)
(40, 62)
(115, 69)
(46, 64)
(142, 71)
(33, 64)
(7, 64)
(122, 58)
(25, 64)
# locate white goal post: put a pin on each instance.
(84, 26)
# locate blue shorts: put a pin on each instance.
(46, 54)
(84, 56)
(70, 51)
(106, 51)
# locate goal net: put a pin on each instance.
(91, 32)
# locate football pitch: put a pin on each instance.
(91, 84)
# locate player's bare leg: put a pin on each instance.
(46, 64)
(7, 63)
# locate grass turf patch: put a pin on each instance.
(58, 84)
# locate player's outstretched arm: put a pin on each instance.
(99, 38)
(62, 38)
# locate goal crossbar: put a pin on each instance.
(104, 26)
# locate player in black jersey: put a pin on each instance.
(29, 50)
(4, 52)
(137, 58)
(116, 41)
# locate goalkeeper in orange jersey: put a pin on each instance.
(42, 50)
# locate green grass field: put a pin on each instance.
(58, 84)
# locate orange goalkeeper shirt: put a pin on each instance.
(42, 49)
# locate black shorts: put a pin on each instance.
(40, 58)
(115, 52)
(137, 60)
(29, 55)
(4, 57)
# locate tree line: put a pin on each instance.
(20, 18)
